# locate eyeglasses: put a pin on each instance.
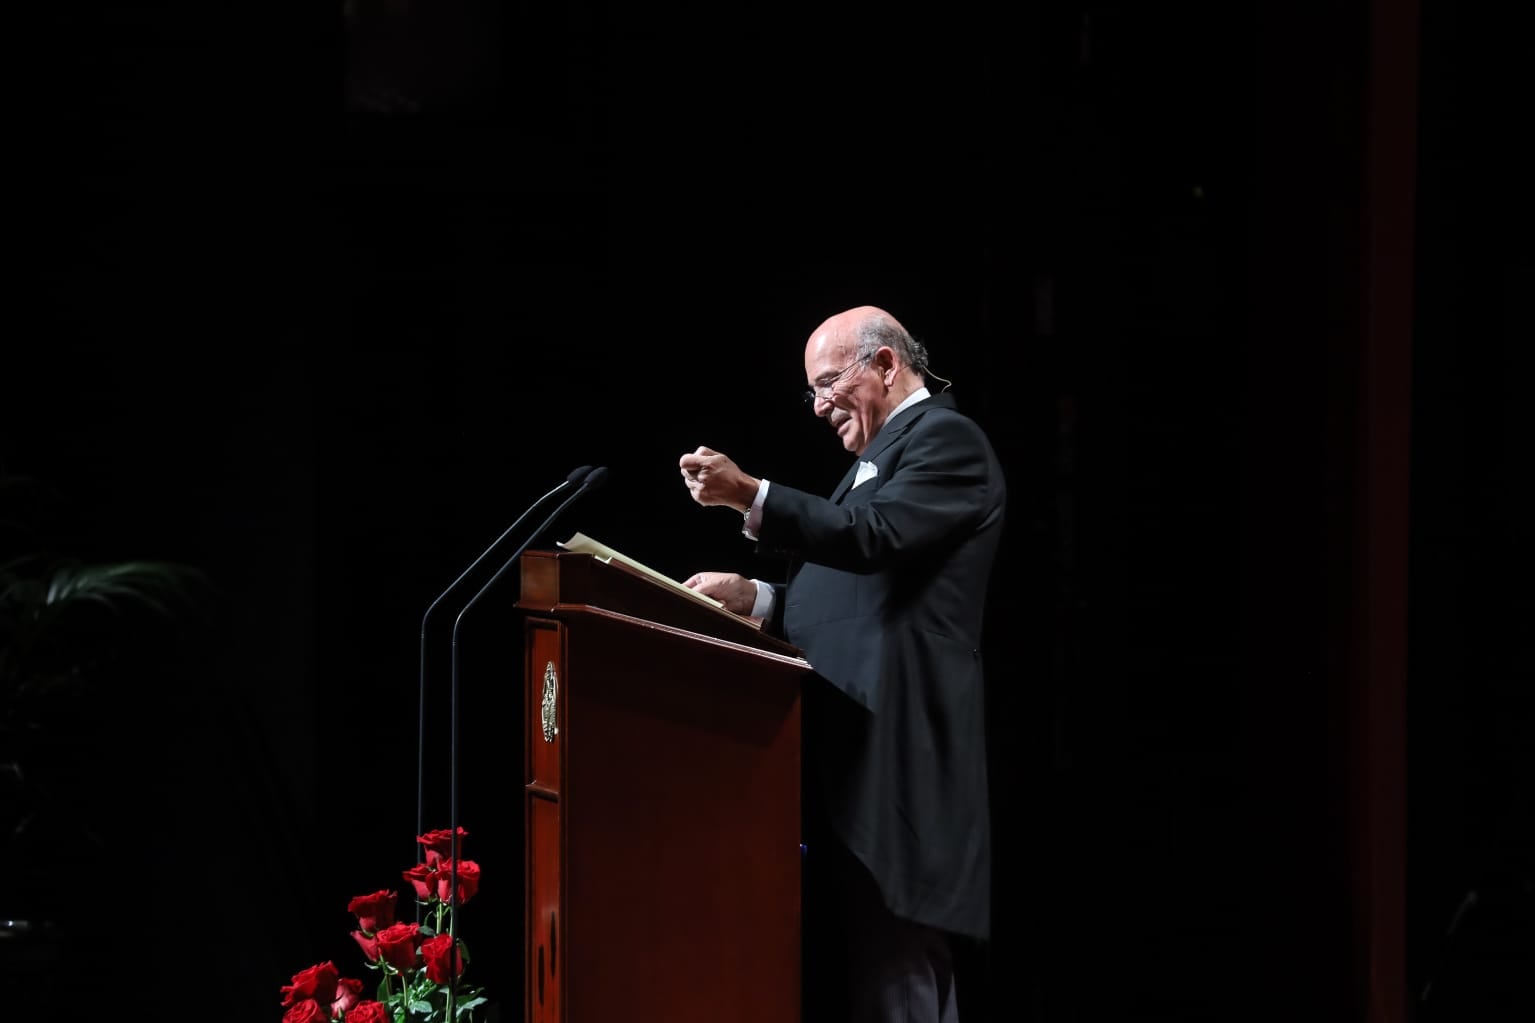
(822, 389)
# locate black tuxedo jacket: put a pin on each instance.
(886, 596)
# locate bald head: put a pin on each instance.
(861, 331)
(862, 364)
(849, 322)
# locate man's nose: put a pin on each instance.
(822, 405)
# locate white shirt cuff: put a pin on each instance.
(754, 513)
(763, 608)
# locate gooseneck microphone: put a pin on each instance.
(596, 478)
(576, 478)
(592, 480)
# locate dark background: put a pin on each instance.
(1241, 292)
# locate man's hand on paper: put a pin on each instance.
(737, 593)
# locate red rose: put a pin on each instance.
(397, 945)
(306, 1011)
(368, 1012)
(368, 944)
(468, 880)
(437, 951)
(439, 844)
(348, 994)
(420, 877)
(374, 912)
(317, 982)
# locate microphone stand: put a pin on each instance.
(595, 478)
(578, 476)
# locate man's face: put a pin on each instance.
(849, 393)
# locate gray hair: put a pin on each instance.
(879, 332)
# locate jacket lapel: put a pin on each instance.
(886, 437)
(847, 482)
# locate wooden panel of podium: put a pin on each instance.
(661, 803)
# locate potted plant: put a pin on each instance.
(70, 631)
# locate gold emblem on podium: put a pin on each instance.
(551, 687)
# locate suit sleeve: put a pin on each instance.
(938, 484)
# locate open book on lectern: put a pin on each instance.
(583, 544)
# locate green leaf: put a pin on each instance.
(466, 1008)
(152, 584)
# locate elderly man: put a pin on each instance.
(886, 596)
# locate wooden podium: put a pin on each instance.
(661, 803)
